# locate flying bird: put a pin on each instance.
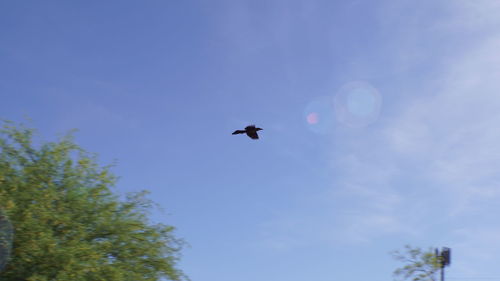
(251, 131)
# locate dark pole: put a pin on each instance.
(438, 256)
(444, 259)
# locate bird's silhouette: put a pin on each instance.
(251, 131)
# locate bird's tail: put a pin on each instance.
(239, 132)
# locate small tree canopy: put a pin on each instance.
(420, 265)
(68, 225)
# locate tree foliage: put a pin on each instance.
(68, 225)
(420, 265)
(5, 239)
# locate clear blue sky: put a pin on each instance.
(381, 124)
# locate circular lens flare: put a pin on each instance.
(319, 115)
(357, 104)
(312, 118)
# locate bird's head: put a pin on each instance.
(258, 129)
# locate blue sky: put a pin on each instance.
(380, 124)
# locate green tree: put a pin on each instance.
(68, 225)
(420, 265)
(5, 239)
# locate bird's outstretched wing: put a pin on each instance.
(250, 127)
(239, 132)
(253, 135)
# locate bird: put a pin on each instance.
(250, 130)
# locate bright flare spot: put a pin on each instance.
(312, 118)
(360, 102)
(357, 104)
(319, 115)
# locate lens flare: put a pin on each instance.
(319, 115)
(312, 118)
(357, 104)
